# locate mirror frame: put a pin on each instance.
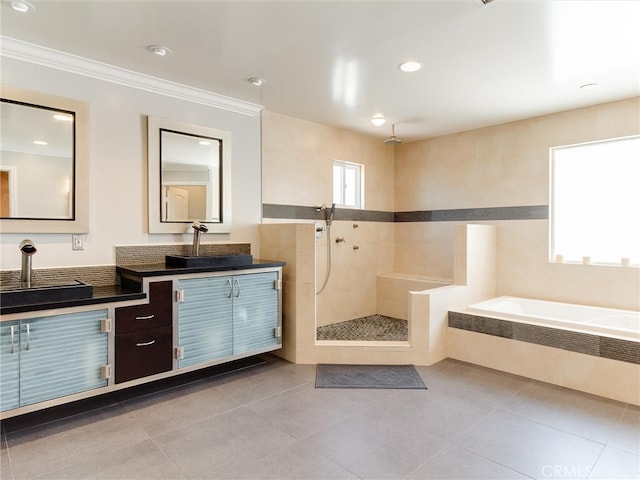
(154, 125)
(80, 222)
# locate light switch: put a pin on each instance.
(77, 241)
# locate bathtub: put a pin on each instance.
(624, 324)
(591, 349)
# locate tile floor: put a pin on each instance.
(268, 421)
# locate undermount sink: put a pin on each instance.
(14, 294)
(208, 261)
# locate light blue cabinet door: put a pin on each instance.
(255, 308)
(9, 365)
(61, 355)
(205, 327)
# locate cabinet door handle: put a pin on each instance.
(12, 335)
(145, 344)
(238, 285)
(230, 288)
(147, 317)
(28, 336)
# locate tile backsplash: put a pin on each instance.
(152, 254)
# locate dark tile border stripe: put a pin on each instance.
(527, 212)
(298, 212)
(595, 345)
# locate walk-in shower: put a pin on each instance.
(346, 307)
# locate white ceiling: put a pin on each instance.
(335, 63)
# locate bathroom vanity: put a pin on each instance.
(159, 322)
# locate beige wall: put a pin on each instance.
(297, 162)
(297, 169)
(508, 165)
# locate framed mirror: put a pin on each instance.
(44, 163)
(189, 177)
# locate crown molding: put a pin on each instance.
(36, 54)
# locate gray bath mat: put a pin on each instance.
(368, 376)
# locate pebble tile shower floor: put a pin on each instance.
(370, 328)
(270, 422)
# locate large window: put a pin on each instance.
(348, 179)
(595, 202)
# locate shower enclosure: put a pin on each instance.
(348, 257)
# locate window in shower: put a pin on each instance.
(348, 180)
(595, 202)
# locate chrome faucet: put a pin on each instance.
(197, 229)
(28, 249)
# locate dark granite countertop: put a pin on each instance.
(160, 269)
(101, 295)
(131, 290)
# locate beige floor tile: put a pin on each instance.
(216, 447)
(454, 463)
(143, 461)
(40, 450)
(531, 448)
(177, 407)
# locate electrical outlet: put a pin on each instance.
(77, 241)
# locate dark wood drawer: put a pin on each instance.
(157, 313)
(140, 354)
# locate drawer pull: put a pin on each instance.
(147, 317)
(145, 344)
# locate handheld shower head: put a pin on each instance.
(329, 213)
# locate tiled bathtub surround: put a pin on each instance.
(151, 254)
(595, 345)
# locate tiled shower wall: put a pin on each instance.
(297, 175)
(416, 193)
(508, 166)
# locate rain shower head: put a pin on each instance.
(393, 140)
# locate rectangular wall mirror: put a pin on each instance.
(44, 161)
(189, 177)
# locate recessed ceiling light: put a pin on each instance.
(378, 120)
(22, 6)
(204, 142)
(588, 86)
(159, 50)
(40, 142)
(257, 81)
(410, 66)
